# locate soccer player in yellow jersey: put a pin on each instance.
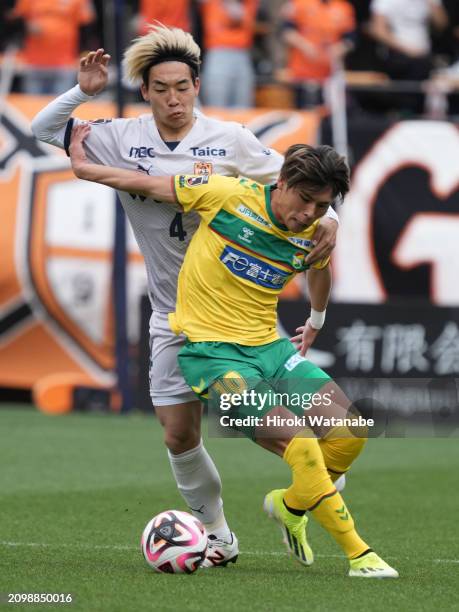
(251, 241)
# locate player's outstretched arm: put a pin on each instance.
(158, 187)
(50, 124)
(319, 284)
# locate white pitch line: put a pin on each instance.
(86, 546)
(249, 553)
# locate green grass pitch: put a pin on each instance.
(76, 492)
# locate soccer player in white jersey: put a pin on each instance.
(174, 139)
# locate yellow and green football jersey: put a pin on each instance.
(237, 263)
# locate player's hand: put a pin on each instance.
(93, 73)
(304, 338)
(324, 240)
(76, 150)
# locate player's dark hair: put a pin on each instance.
(314, 169)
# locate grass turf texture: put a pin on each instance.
(76, 492)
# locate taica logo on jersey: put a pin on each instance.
(208, 152)
(141, 152)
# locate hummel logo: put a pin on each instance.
(246, 234)
(344, 516)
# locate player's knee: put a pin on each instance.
(359, 439)
(352, 446)
(179, 440)
(355, 446)
(347, 437)
(340, 449)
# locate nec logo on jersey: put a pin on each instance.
(208, 152)
(253, 269)
(139, 152)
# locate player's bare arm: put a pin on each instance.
(157, 187)
(324, 240)
(93, 72)
(319, 284)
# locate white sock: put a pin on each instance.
(199, 483)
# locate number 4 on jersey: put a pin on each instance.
(176, 228)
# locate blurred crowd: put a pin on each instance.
(256, 52)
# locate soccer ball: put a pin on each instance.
(174, 542)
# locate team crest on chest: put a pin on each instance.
(298, 260)
(201, 168)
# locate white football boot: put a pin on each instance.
(220, 553)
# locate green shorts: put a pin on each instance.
(220, 369)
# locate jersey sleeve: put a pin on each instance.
(332, 214)
(205, 194)
(254, 160)
(102, 146)
(51, 124)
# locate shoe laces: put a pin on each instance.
(214, 542)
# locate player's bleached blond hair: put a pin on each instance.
(161, 44)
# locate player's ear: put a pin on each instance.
(197, 85)
(144, 92)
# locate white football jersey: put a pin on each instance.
(162, 231)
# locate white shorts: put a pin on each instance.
(167, 385)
